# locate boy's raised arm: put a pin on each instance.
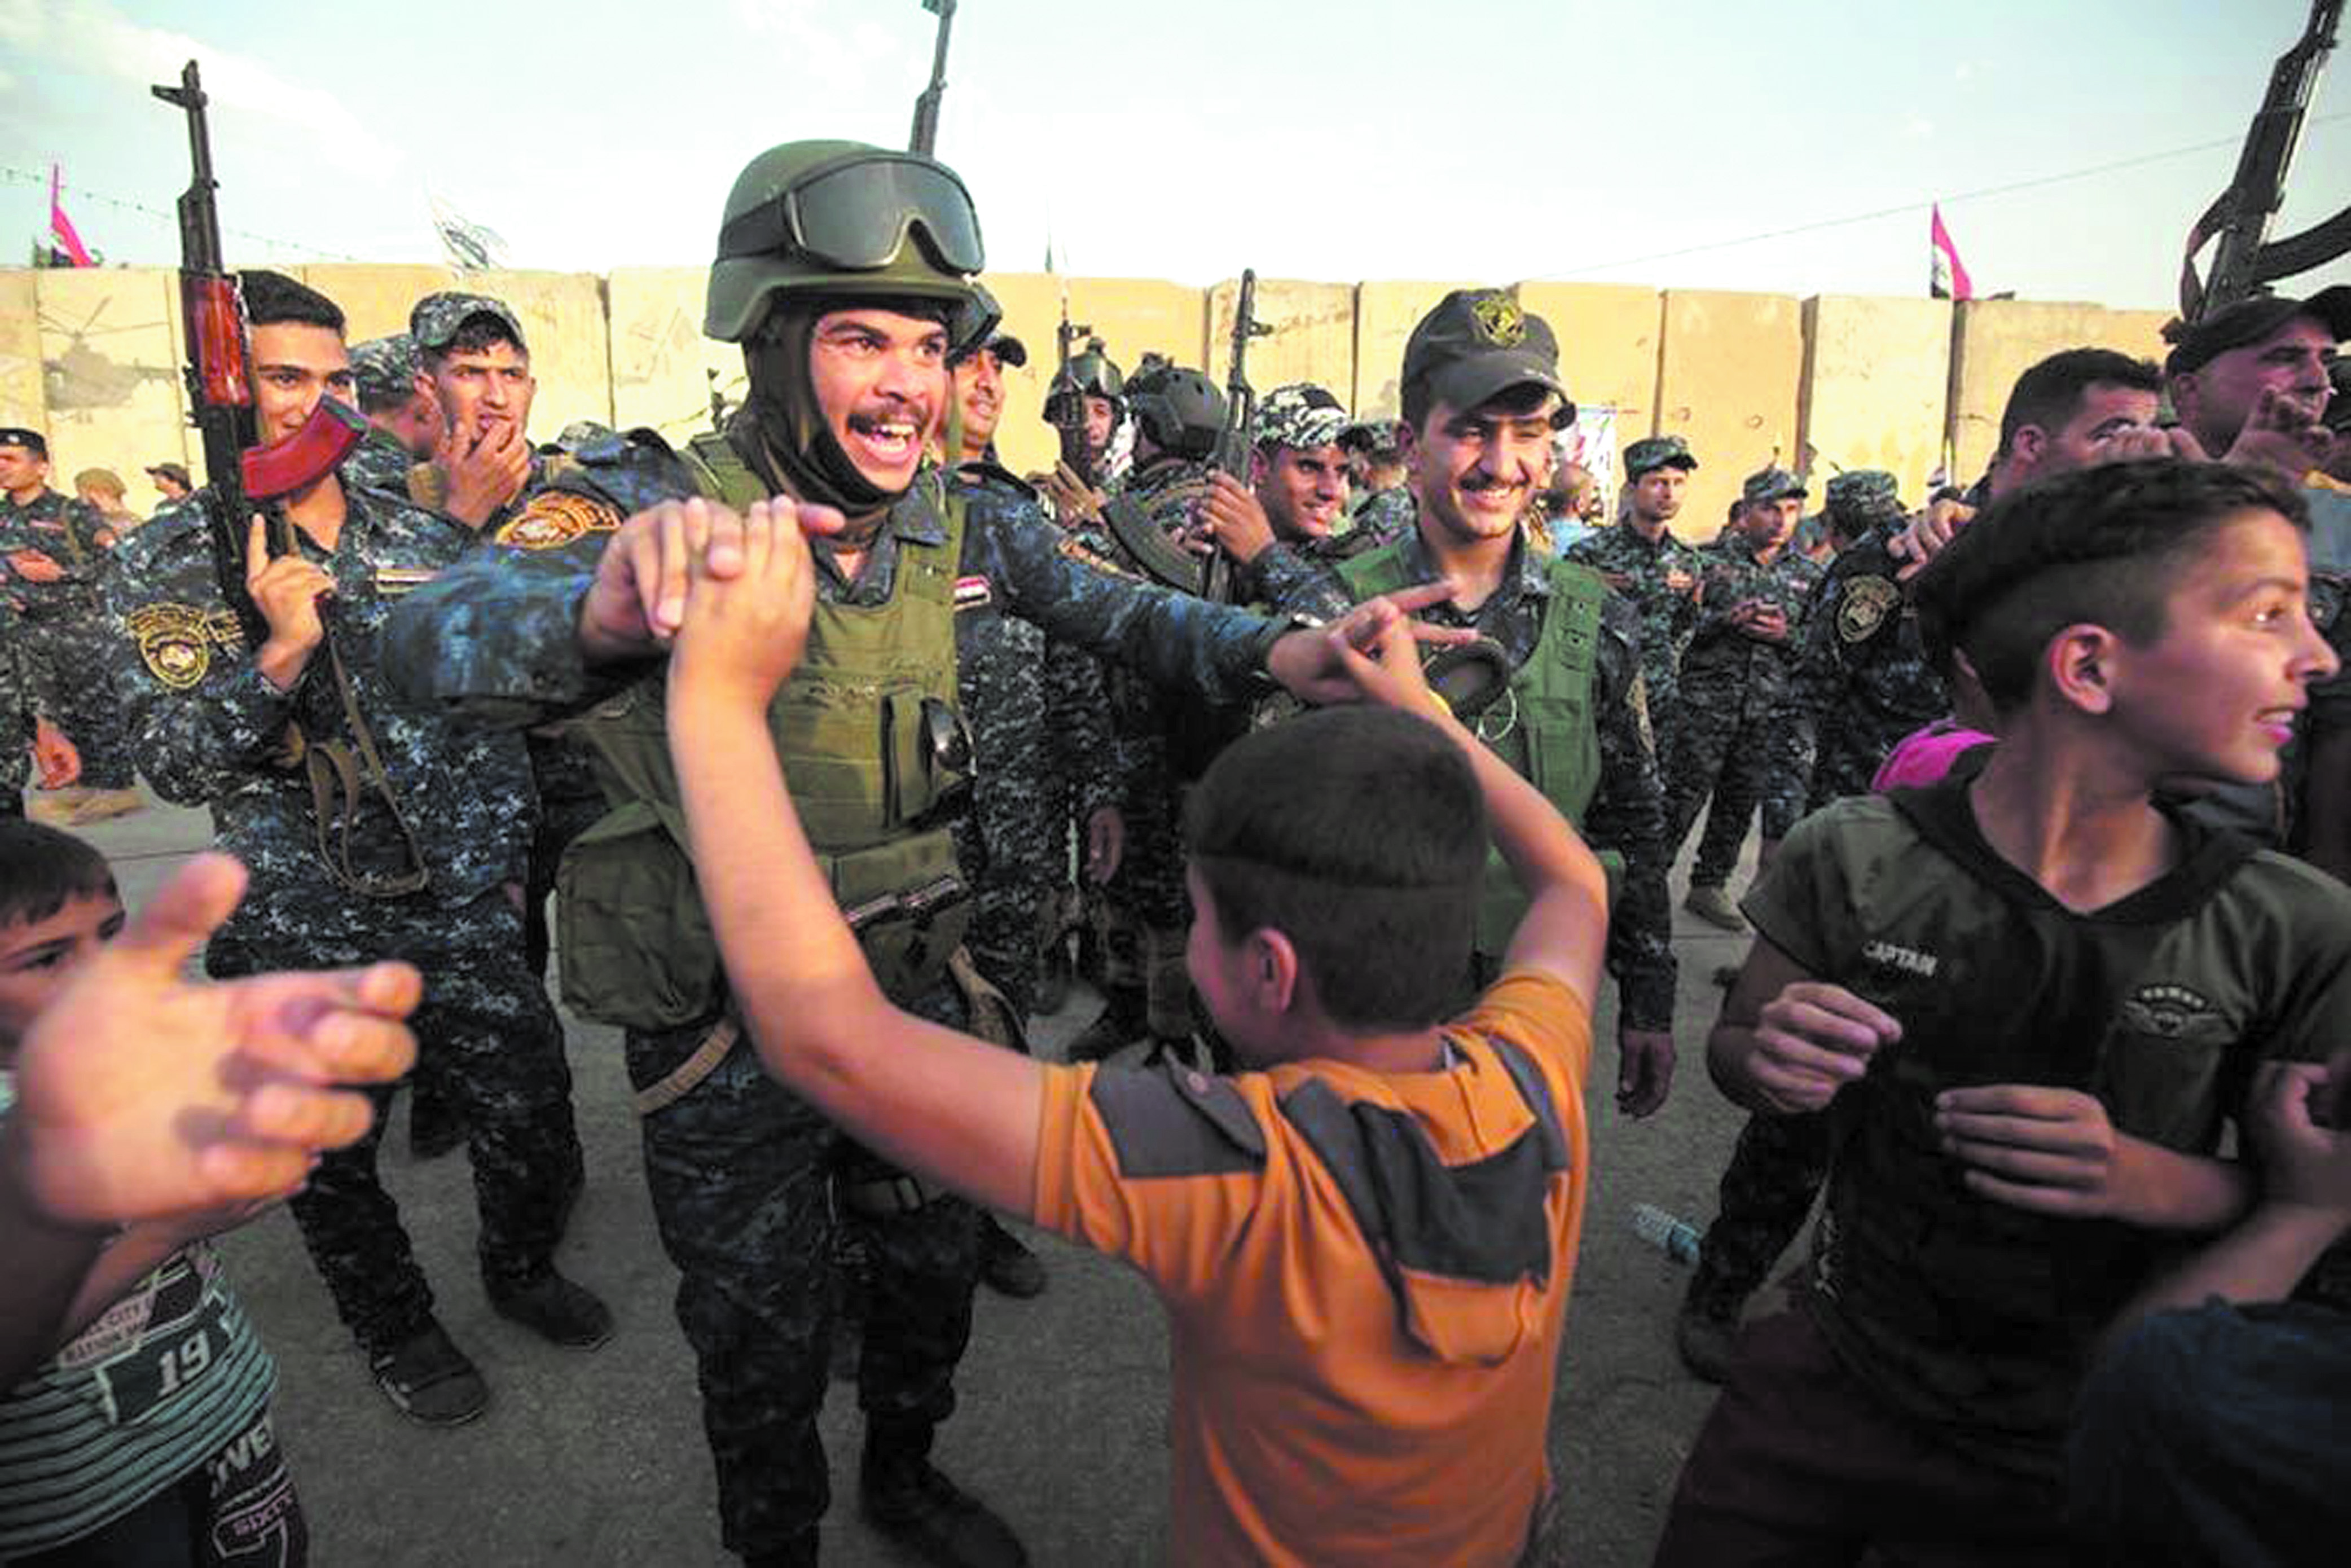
(934, 1100)
(1566, 930)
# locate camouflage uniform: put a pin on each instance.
(62, 639)
(741, 1167)
(1636, 568)
(1861, 684)
(1627, 813)
(1301, 417)
(386, 370)
(1144, 907)
(1731, 686)
(1041, 752)
(1385, 517)
(18, 715)
(1862, 679)
(207, 729)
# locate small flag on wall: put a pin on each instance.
(63, 238)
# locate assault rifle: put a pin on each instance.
(2247, 260)
(1235, 442)
(925, 135)
(1069, 402)
(239, 472)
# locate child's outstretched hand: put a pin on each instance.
(743, 634)
(1813, 1039)
(1381, 658)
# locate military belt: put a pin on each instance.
(683, 1078)
(921, 905)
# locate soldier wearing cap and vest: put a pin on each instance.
(53, 549)
(1639, 556)
(1862, 680)
(1482, 399)
(846, 272)
(1750, 614)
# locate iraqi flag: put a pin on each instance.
(63, 237)
(1949, 279)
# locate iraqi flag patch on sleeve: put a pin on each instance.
(972, 592)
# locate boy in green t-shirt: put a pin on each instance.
(2030, 998)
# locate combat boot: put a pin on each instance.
(1713, 905)
(1006, 1264)
(902, 1495)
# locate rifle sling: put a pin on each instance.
(337, 778)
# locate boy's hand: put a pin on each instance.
(57, 756)
(638, 601)
(742, 635)
(2303, 1165)
(2052, 1151)
(1813, 1039)
(1347, 661)
(142, 1095)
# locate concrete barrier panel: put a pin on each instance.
(1996, 340)
(1313, 336)
(1727, 382)
(376, 297)
(110, 373)
(660, 359)
(1876, 375)
(21, 398)
(1385, 314)
(562, 314)
(1608, 335)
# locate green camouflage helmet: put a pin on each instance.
(835, 218)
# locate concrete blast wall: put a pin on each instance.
(92, 357)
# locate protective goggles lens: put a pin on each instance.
(856, 215)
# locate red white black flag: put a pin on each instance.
(1949, 278)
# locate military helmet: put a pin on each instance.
(1181, 410)
(1091, 374)
(836, 218)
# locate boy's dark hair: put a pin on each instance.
(2105, 545)
(1359, 833)
(274, 299)
(42, 870)
(477, 334)
(2047, 395)
(1512, 401)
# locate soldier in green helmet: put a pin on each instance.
(846, 272)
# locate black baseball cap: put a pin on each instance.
(1479, 342)
(32, 440)
(2250, 322)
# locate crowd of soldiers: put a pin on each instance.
(430, 644)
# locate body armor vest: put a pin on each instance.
(1543, 727)
(862, 731)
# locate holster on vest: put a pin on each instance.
(855, 728)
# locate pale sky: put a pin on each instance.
(1489, 140)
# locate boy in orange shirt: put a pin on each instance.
(1364, 1244)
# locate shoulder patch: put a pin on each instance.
(1078, 550)
(552, 519)
(176, 640)
(973, 593)
(1862, 605)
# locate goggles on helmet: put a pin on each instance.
(856, 214)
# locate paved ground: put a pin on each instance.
(595, 1459)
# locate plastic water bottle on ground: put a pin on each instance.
(1676, 1238)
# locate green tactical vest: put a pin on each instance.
(850, 729)
(1543, 727)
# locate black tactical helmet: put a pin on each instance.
(835, 217)
(1181, 410)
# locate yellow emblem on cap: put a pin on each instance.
(553, 520)
(1863, 606)
(1500, 319)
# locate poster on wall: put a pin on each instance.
(1591, 443)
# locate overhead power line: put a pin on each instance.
(1982, 193)
(26, 177)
